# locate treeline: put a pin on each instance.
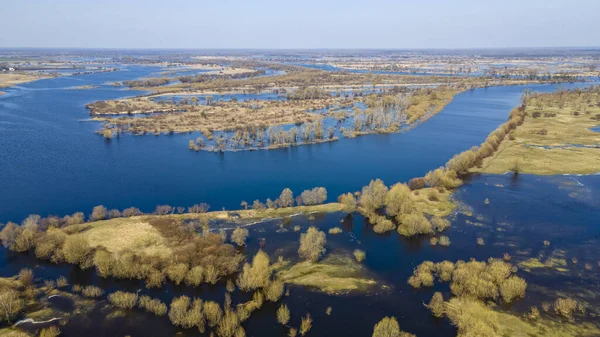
(201, 78)
(308, 93)
(102, 213)
(387, 112)
(148, 82)
(580, 100)
(315, 196)
(268, 137)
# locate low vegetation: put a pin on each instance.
(489, 280)
(389, 327)
(335, 274)
(152, 305)
(555, 136)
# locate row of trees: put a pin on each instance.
(315, 196)
(102, 213)
(271, 136)
(202, 78)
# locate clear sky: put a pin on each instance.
(299, 23)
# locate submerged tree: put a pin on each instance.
(255, 275)
(388, 327)
(239, 236)
(312, 244)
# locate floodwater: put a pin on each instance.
(512, 222)
(52, 162)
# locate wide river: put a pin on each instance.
(52, 162)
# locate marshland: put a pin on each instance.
(368, 201)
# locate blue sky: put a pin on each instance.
(299, 24)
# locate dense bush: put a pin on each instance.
(11, 304)
(77, 250)
(565, 307)
(177, 272)
(359, 255)
(398, 200)
(436, 305)
(257, 274)
(512, 288)
(286, 198)
(92, 291)
(414, 224)
(99, 213)
(51, 331)
(349, 202)
(151, 305)
(316, 196)
(213, 313)
(26, 277)
(186, 313)
(312, 244)
(131, 211)
(274, 291)
(440, 224)
(334, 230)
(423, 275)
(123, 300)
(239, 236)
(373, 196)
(444, 241)
(283, 315)
(416, 183)
(305, 324)
(229, 324)
(382, 224)
(472, 318)
(388, 327)
(194, 276)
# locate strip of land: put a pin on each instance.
(555, 138)
(10, 79)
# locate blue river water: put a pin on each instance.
(52, 162)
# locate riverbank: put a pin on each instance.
(10, 79)
(555, 138)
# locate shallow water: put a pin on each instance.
(52, 162)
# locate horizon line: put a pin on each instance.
(304, 48)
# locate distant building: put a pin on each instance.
(11, 69)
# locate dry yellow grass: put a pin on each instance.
(215, 117)
(335, 274)
(10, 79)
(117, 235)
(441, 207)
(474, 318)
(552, 153)
(136, 233)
